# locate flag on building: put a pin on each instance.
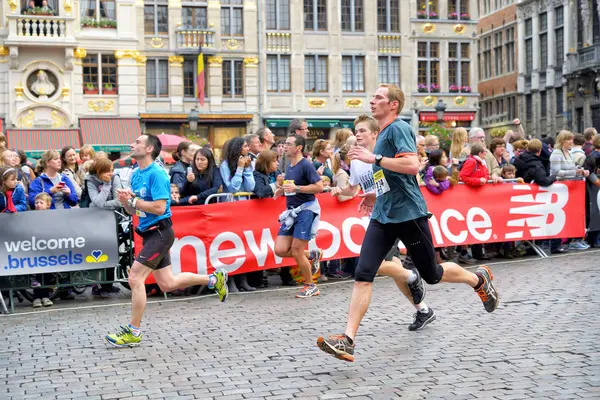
(200, 78)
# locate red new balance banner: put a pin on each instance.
(240, 236)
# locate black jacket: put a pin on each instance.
(200, 187)
(530, 167)
(262, 185)
(179, 174)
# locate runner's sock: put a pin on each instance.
(349, 339)
(422, 308)
(135, 331)
(412, 278)
(212, 281)
(479, 283)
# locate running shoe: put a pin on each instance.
(421, 320)
(417, 289)
(315, 261)
(221, 286)
(487, 292)
(338, 346)
(125, 338)
(308, 291)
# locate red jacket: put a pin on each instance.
(472, 171)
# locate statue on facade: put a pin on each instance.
(42, 86)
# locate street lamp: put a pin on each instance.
(193, 119)
(440, 109)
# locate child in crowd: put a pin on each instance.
(12, 194)
(509, 171)
(175, 195)
(43, 201)
(326, 183)
(438, 181)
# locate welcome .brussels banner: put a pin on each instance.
(34, 242)
(240, 236)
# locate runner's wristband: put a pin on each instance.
(134, 202)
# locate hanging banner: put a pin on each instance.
(240, 236)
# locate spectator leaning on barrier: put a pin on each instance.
(474, 172)
(436, 176)
(592, 165)
(589, 134)
(497, 157)
(181, 170)
(266, 164)
(12, 194)
(530, 167)
(577, 151)
(68, 159)
(102, 184)
(236, 168)
(58, 186)
(205, 178)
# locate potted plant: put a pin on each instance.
(454, 88)
(107, 23)
(453, 15)
(422, 88)
(433, 15)
(434, 87)
(90, 88)
(421, 15)
(465, 89)
(88, 23)
(109, 89)
(465, 16)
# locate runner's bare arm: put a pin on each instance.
(157, 207)
(349, 190)
(403, 163)
(311, 189)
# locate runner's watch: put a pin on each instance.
(378, 158)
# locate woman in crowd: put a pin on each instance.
(10, 158)
(12, 194)
(266, 163)
(26, 166)
(57, 185)
(341, 137)
(204, 179)
(183, 157)
(321, 153)
(68, 158)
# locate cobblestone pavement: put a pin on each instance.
(543, 342)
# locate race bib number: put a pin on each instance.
(140, 213)
(381, 184)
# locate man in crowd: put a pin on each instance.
(589, 135)
(398, 211)
(266, 138)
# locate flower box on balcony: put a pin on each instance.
(453, 88)
(90, 91)
(422, 88)
(465, 89)
(465, 17)
(109, 89)
(433, 15)
(39, 11)
(434, 88)
(102, 23)
(453, 15)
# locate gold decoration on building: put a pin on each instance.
(68, 7)
(459, 29)
(58, 120)
(317, 103)
(19, 91)
(134, 54)
(101, 105)
(157, 43)
(429, 100)
(214, 60)
(354, 103)
(65, 91)
(176, 61)
(232, 44)
(251, 61)
(498, 132)
(26, 121)
(80, 53)
(13, 5)
(428, 28)
(460, 100)
(3, 51)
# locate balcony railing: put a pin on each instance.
(279, 41)
(188, 39)
(35, 27)
(389, 43)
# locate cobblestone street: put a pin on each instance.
(543, 342)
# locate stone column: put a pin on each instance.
(176, 83)
(535, 74)
(521, 54)
(131, 66)
(213, 14)
(174, 20)
(551, 49)
(215, 83)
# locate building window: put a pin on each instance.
(528, 46)
(388, 15)
(278, 14)
(559, 101)
(352, 15)
(100, 74)
(315, 74)
(510, 49)
(428, 66)
(156, 17)
(388, 70)
(528, 108)
(543, 42)
(498, 54)
(458, 9)
(232, 18)
(190, 75)
(486, 68)
(512, 108)
(315, 15)
(458, 67)
(194, 17)
(353, 74)
(98, 9)
(157, 78)
(543, 104)
(278, 73)
(427, 9)
(233, 79)
(559, 36)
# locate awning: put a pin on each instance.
(431, 116)
(36, 141)
(317, 123)
(110, 134)
(204, 118)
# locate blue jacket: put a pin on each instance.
(179, 175)
(19, 199)
(241, 181)
(43, 184)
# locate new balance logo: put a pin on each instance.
(542, 210)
